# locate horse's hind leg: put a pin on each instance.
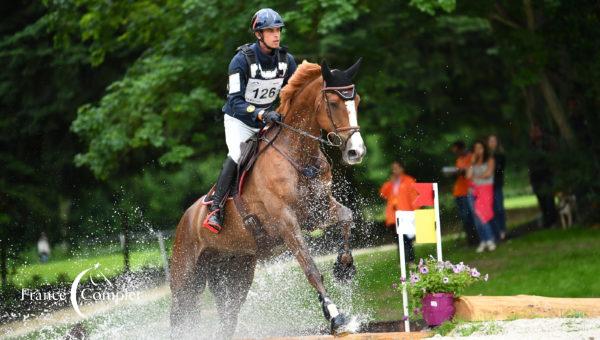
(343, 269)
(230, 281)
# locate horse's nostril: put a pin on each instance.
(352, 153)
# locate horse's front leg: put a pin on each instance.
(289, 230)
(343, 269)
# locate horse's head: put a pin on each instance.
(338, 116)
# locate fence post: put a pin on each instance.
(163, 253)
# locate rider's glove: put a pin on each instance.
(271, 116)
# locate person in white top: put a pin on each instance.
(43, 247)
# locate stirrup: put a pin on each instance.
(211, 227)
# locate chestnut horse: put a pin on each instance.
(285, 197)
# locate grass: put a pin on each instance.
(32, 275)
(520, 202)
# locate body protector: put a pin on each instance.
(263, 86)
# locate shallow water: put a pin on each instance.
(280, 303)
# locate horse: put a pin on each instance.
(290, 180)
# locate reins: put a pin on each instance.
(311, 171)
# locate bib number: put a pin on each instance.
(262, 91)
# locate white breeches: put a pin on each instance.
(236, 133)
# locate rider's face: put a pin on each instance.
(271, 36)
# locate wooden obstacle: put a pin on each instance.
(363, 336)
(481, 308)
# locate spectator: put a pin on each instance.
(481, 174)
(540, 174)
(461, 190)
(43, 247)
(400, 195)
(497, 152)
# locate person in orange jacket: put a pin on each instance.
(400, 195)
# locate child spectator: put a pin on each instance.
(43, 247)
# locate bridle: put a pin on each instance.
(333, 137)
(346, 93)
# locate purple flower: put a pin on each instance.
(445, 280)
(417, 310)
(404, 318)
(424, 270)
(448, 265)
(402, 279)
(394, 285)
(420, 262)
(475, 273)
(414, 278)
(456, 269)
(485, 278)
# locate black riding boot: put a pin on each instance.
(214, 220)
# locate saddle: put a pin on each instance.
(248, 155)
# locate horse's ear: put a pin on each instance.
(326, 72)
(351, 71)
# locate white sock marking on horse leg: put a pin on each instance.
(333, 311)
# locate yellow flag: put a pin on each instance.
(425, 225)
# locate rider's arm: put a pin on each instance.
(238, 78)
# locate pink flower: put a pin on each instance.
(475, 273)
(414, 278)
(394, 285)
(424, 270)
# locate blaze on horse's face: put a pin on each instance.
(339, 116)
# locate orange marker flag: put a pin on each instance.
(425, 197)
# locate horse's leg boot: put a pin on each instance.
(214, 219)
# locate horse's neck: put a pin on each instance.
(301, 117)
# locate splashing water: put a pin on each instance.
(280, 303)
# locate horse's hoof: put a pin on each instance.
(341, 325)
(343, 272)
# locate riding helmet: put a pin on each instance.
(266, 18)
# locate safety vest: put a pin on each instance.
(263, 86)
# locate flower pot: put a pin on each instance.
(438, 308)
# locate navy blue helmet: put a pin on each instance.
(266, 18)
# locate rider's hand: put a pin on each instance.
(271, 116)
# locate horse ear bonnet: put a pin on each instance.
(337, 78)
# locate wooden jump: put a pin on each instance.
(363, 336)
(481, 308)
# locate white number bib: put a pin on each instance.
(262, 91)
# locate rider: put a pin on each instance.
(256, 75)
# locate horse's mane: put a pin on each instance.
(305, 73)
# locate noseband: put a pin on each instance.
(346, 93)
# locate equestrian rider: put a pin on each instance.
(256, 75)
